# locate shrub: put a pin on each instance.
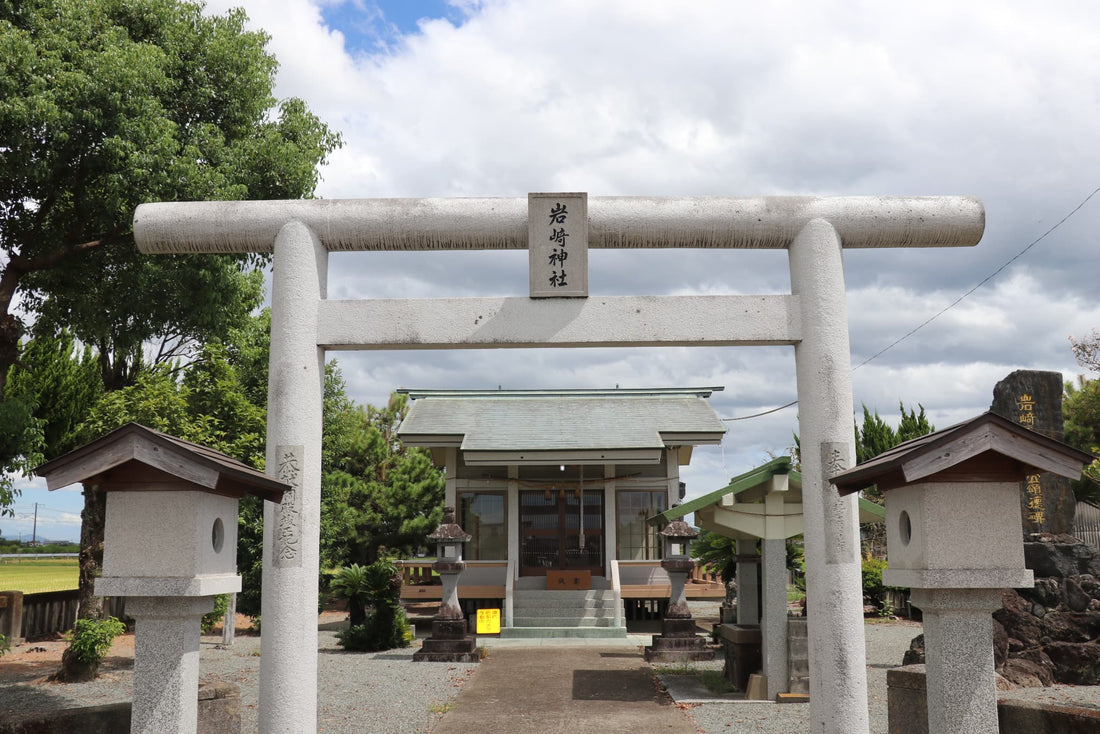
(351, 583)
(380, 632)
(92, 638)
(211, 619)
(5, 645)
(379, 587)
(873, 587)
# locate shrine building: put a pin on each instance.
(555, 488)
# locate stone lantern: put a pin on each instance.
(677, 562)
(953, 536)
(170, 546)
(678, 641)
(449, 642)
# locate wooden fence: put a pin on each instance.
(1086, 523)
(55, 611)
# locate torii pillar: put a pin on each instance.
(812, 318)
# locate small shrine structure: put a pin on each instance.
(761, 505)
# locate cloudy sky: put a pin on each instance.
(999, 100)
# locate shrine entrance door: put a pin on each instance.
(556, 535)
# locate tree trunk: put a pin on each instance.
(74, 670)
(11, 331)
(89, 606)
(92, 521)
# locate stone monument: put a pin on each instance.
(1034, 400)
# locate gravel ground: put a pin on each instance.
(383, 693)
(357, 692)
(886, 643)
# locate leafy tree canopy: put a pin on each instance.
(394, 494)
(107, 104)
(49, 392)
(1081, 412)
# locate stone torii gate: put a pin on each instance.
(813, 319)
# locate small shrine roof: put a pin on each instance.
(988, 447)
(753, 485)
(134, 445)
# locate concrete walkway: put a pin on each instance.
(579, 689)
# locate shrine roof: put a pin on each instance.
(561, 420)
(752, 486)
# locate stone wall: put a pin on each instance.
(1049, 634)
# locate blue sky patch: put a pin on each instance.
(370, 26)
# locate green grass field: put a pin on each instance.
(34, 576)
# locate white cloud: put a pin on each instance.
(627, 97)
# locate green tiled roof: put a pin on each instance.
(754, 478)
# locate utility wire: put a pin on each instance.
(988, 278)
(947, 308)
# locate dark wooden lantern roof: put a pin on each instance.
(135, 457)
(988, 448)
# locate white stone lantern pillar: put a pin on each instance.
(170, 546)
(953, 536)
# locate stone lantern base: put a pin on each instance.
(678, 643)
(449, 643)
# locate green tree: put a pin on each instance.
(379, 587)
(913, 424)
(49, 391)
(104, 105)
(876, 436)
(719, 553)
(394, 493)
(1081, 412)
(107, 104)
(62, 379)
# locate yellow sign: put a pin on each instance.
(488, 621)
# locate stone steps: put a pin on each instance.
(548, 614)
(563, 621)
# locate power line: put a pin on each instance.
(988, 278)
(766, 412)
(947, 308)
